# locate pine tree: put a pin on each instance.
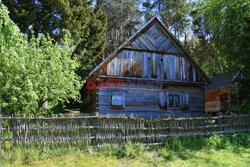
(86, 23)
(174, 13)
(124, 17)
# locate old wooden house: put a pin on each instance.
(218, 96)
(149, 75)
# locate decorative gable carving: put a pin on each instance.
(154, 39)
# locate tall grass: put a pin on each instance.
(26, 155)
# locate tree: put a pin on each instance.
(174, 13)
(86, 23)
(124, 17)
(37, 74)
(202, 53)
(227, 24)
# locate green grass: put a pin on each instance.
(216, 150)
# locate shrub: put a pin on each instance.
(165, 153)
(174, 144)
(111, 150)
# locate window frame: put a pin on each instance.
(122, 94)
(174, 94)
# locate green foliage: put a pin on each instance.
(36, 74)
(244, 97)
(165, 153)
(227, 23)
(245, 109)
(111, 150)
(215, 141)
(174, 144)
(86, 22)
(202, 53)
(174, 13)
(124, 17)
(133, 150)
(193, 150)
(128, 149)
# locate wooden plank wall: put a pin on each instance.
(154, 38)
(213, 101)
(139, 99)
(130, 63)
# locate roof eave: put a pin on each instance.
(200, 71)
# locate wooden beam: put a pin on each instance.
(151, 51)
(153, 79)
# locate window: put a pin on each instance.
(174, 100)
(117, 99)
(177, 100)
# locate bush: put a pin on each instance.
(245, 109)
(111, 150)
(165, 153)
(174, 144)
(133, 150)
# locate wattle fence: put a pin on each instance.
(96, 130)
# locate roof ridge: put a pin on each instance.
(169, 35)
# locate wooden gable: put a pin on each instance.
(154, 39)
(152, 52)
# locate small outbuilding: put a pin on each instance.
(149, 75)
(218, 96)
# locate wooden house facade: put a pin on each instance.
(149, 75)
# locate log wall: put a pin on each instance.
(151, 102)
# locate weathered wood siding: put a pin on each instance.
(151, 65)
(139, 99)
(151, 55)
(154, 38)
(213, 101)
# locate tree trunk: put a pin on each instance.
(216, 58)
(185, 43)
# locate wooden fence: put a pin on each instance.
(96, 129)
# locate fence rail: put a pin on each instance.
(96, 129)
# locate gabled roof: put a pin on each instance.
(225, 80)
(167, 33)
(220, 81)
